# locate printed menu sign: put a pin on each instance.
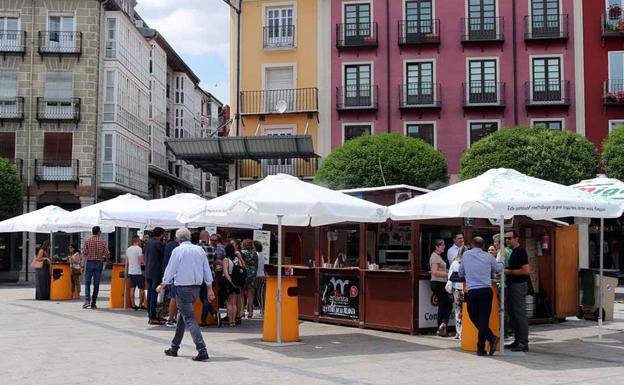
(264, 237)
(340, 296)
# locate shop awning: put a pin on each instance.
(214, 155)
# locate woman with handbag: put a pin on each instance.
(41, 264)
(439, 277)
(76, 268)
(233, 282)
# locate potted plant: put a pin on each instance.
(620, 96)
(615, 11)
(611, 97)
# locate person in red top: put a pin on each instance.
(95, 252)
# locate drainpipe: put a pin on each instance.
(29, 163)
(388, 85)
(515, 62)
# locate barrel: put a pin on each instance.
(530, 306)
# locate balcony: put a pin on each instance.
(546, 93)
(58, 110)
(483, 29)
(551, 27)
(361, 97)
(279, 37)
(419, 32)
(480, 94)
(353, 35)
(56, 170)
(257, 170)
(19, 165)
(613, 92)
(420, 96)
(13, 43)
(613, 24)
(60, 43)
(11, 110)
(287, 101)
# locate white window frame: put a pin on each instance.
(560, 120)
(615, 123)
(344, 125)
(342, 11)
(293, 66)
(281, 5)
(61, 14)
(467, 12)
(469, 122)
(530, 13)
(432, 122)
(621, 78)
(561, 74)
(19, 32)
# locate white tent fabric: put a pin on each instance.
(504, 192)
(300, 203)
(89, 216)
(40, 221)
(164, 213)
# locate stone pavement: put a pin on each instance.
(60, 343)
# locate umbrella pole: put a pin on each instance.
(279, 280)
(601, 294)
(502, 291)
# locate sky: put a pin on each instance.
(199, 32)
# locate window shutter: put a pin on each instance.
(59, 85)
(8, 84)
(7, 145)
(57, 146)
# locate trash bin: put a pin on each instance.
(470, 334)
(198, 306)
(60, 282)
(118, 279)
(590, 294)
(290, 310)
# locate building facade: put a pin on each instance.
(451, 74)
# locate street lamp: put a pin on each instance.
(238, 10)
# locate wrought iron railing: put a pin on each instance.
(58, 109)
(420, 95)
(60, 42)
(12, 109)
(13, 42)
(295, 100)
(56, 170)
(541, 27)
(357, 97)
(356, 35)
(479, 29)
(613, 23)
(547, 92)
(416, 32)
(282, 36)
(483, 93)
(613, 92)
(300, 168)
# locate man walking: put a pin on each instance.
(477, 266)
(517, 272)
(134, 260)
(95, 253)
(458, 247)
(172, 312)
(188, 268)
(153, 253)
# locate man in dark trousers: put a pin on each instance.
(517, 273)
(173, 310)
(477, 266)
(153, 253)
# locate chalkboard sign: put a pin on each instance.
(340, 296)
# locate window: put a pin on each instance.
(61, 33)
(358, 91)
(479, 130)
(482, 21)
(545, 18)
(111, 40)
(483, 81)
(614, 124)
(280, 30)
(8, 93)
(59, 91)
(357, 23)
(424, 131)
(109, 97)
(279, 81)
(547, 79)
(283, 165)
(550, 124)
(616, 71)
(57, 146)
(10, 37)
(419, 83)
(418, 18)
(7, 145)
(353, 131)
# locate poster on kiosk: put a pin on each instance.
(264, 237)
(428, 307)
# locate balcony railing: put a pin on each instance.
(279, 36)
(613, 92)
(19, 165)
(359, 97)
(547, 93)
(67, 110)
(550, 27)
(613, 24)
(356, 35)
(11, 109)
(419, 32)
(300, 168)
(423, 95)
(60, 43)
(13, 42)
(56, 170)
(287, 101)
(481, 29)
(483, 94)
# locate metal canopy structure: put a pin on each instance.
(214, 155)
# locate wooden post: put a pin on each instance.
(415, 273)
(362, 271)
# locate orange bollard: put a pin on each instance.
(470, 334)
(290, 310)
(118, 280)
(60, 282)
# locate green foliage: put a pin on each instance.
(613, 154)
(558, 156)
(404, 160)
(10, 190)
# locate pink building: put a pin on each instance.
(451, 72)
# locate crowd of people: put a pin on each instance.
(466, 275)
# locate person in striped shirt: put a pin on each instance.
(95, 253)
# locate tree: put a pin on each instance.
(10, 190)
(613, 154)
(385, 159)
(558, 156)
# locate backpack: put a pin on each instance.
(239, 273)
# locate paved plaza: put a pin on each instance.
(61, 343)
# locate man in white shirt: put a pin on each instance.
(458, 244)
(134, 260)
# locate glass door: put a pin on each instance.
(547, 80)
(278, 166)
(419, 83)
(482, 82)
(482, 24)
(418, 20)
(61, 33)
(616, 72)
(280, 31)
(357, 23)
(358, 85)
(545, 18)
(9, 34)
